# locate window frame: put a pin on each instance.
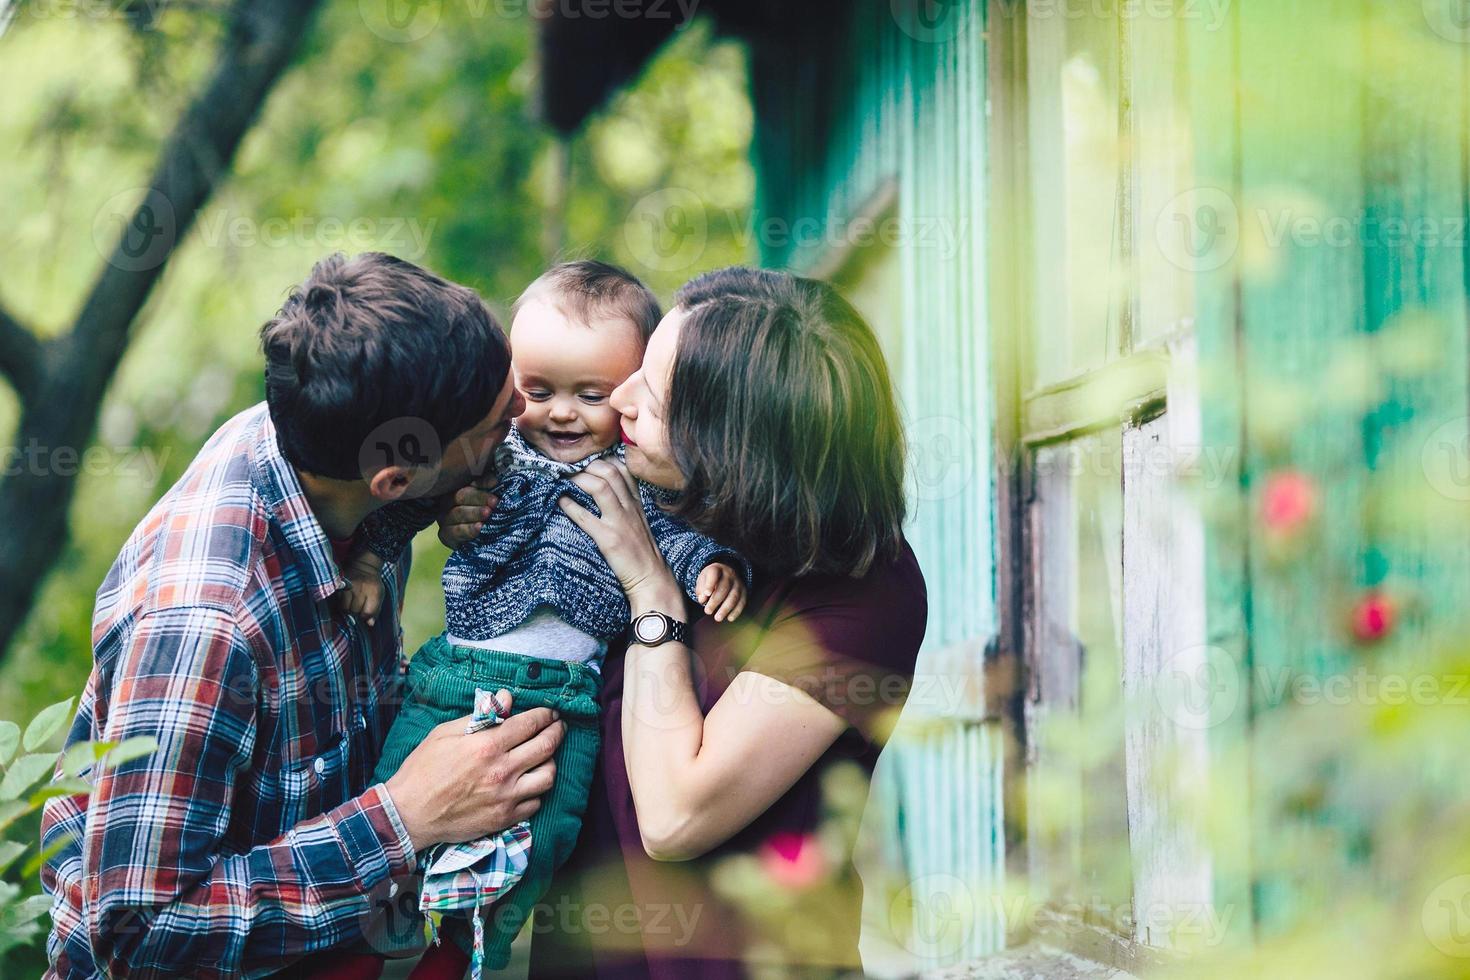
(1137, 378)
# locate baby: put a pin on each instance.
(531, 604)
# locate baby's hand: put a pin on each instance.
(722, 592)
(363, 596)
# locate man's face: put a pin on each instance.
(470, 456)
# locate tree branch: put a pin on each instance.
(20, 356)
(260, 39)
(60, 417)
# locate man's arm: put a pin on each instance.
(162, 890)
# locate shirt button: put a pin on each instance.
(533, 671)
(320, 766)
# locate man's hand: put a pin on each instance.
(722, 592)
(457, 787)
(465, 515)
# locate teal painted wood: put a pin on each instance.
(1418, 177)
(836, 125)
(1364, 127)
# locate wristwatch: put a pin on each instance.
(654, 628)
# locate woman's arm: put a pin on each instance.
(696, 780)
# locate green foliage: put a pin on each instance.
(29, 781)
(427, 149)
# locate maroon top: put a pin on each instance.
(613, 912)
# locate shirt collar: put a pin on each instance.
(279, 487)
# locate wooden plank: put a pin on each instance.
(1054, 681)
(1166, 731)
(1161, 167)
(1048, 354)
(1009, 308)
(1076, 801)
(1100, 398)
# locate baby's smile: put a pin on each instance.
(566, 440)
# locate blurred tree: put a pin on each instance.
(422, 143)
(61, 381)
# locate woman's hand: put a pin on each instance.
(623, 537)
(466, 513)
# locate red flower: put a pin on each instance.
(1374, 617)
(1288, 502)
(793, 861)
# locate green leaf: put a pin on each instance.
(47, 724)
(34, 864)
(9, 741)
(66, 786)
(31, 909)
(9, 851)
(131, 748)
(19, 936)
(11, 810)
(79, 755)
(26, 772)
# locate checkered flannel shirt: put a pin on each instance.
(251, 837)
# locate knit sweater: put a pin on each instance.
(531, 554)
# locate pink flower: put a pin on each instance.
(1374, 617)
(1288, 502)
(793, 861)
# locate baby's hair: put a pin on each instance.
(587, 290)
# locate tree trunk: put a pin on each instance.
(62, 382)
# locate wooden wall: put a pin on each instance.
(1325, 170)
(877, 133)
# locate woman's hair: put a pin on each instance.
(782, 418)
(371, 339)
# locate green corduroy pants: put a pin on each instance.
(441, 687)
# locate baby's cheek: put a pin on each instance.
(603, 421)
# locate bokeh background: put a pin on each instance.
(1175, 295)
(431, 150)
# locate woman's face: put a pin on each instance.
(642, 401)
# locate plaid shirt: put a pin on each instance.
(251, 837)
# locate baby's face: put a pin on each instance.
(566, 370)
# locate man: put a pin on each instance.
(250, 839)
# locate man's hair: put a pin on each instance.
(782, 419)
(588, 290)
(373, 339)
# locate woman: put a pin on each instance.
(765, 399)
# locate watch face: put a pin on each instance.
(648, 628)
